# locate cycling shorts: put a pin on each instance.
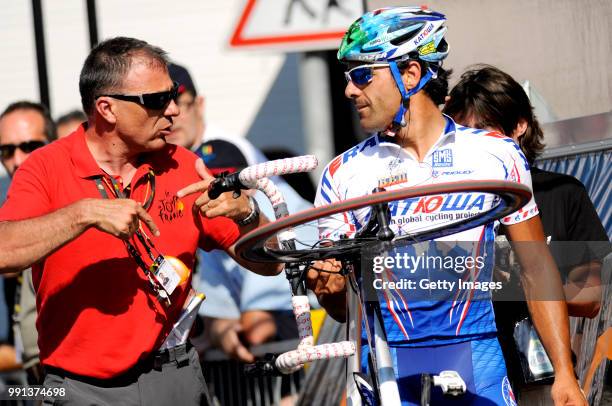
(479, 362)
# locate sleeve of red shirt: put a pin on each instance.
(218, 233)
(28, 195)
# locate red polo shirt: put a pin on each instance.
(97, 315)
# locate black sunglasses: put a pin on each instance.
(8, 150)
(153, 101)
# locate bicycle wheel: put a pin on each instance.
(260, 244)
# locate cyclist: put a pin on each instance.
(395, 79)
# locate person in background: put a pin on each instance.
(242, 309)
(69, 122)
(24, 127)
(488, 98)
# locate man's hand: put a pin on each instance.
(329, 286)
(223, 334)
(225, 205)
(566, 392)
(118, 217)
(26, 242)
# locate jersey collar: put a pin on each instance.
(84, 163)
(447, 136)
(85, 166)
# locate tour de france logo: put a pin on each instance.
(170, 208)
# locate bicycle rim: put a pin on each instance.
(259, 244)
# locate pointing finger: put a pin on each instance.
(201, 186)
(198, 187)
(144, 216)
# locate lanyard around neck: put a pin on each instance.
(103, 185)
(119, 193)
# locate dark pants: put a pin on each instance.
(174, 378)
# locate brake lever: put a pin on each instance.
(263, 367)
(226, 182)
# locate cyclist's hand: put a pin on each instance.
(566, 392)
(224, 205)
(329, 286)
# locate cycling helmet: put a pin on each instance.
(393, 35)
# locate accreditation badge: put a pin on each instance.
(169, 272)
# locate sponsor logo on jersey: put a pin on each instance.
(358, 149)
(507, 392)
(441, 203)
(436, 173)
(350, 154)
(394, 164)
(392, 180)
(514, 175)
(521, 215)
(442, 158)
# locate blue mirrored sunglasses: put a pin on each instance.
(363, 74)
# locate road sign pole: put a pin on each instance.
(316, 108)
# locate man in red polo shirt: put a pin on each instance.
(93, 211)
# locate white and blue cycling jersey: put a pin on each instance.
(460, 153)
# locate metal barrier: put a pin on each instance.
(229, 386)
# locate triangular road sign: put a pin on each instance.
(295, 24)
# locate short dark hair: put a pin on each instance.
(74, 115)
(108, 63)
(49, 130)
(437, 88)
(490, 97)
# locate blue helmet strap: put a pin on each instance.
(398, 120)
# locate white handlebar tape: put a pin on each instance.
(256, 177)
(306, 163)
(293, 360)
(301, 310)
(270, 190)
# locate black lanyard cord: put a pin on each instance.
(146, 242)
(159, 290)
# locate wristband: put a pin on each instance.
(253, 216)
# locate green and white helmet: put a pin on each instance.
(393, 35)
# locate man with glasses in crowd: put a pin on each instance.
(110, 219)
(24, 127)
